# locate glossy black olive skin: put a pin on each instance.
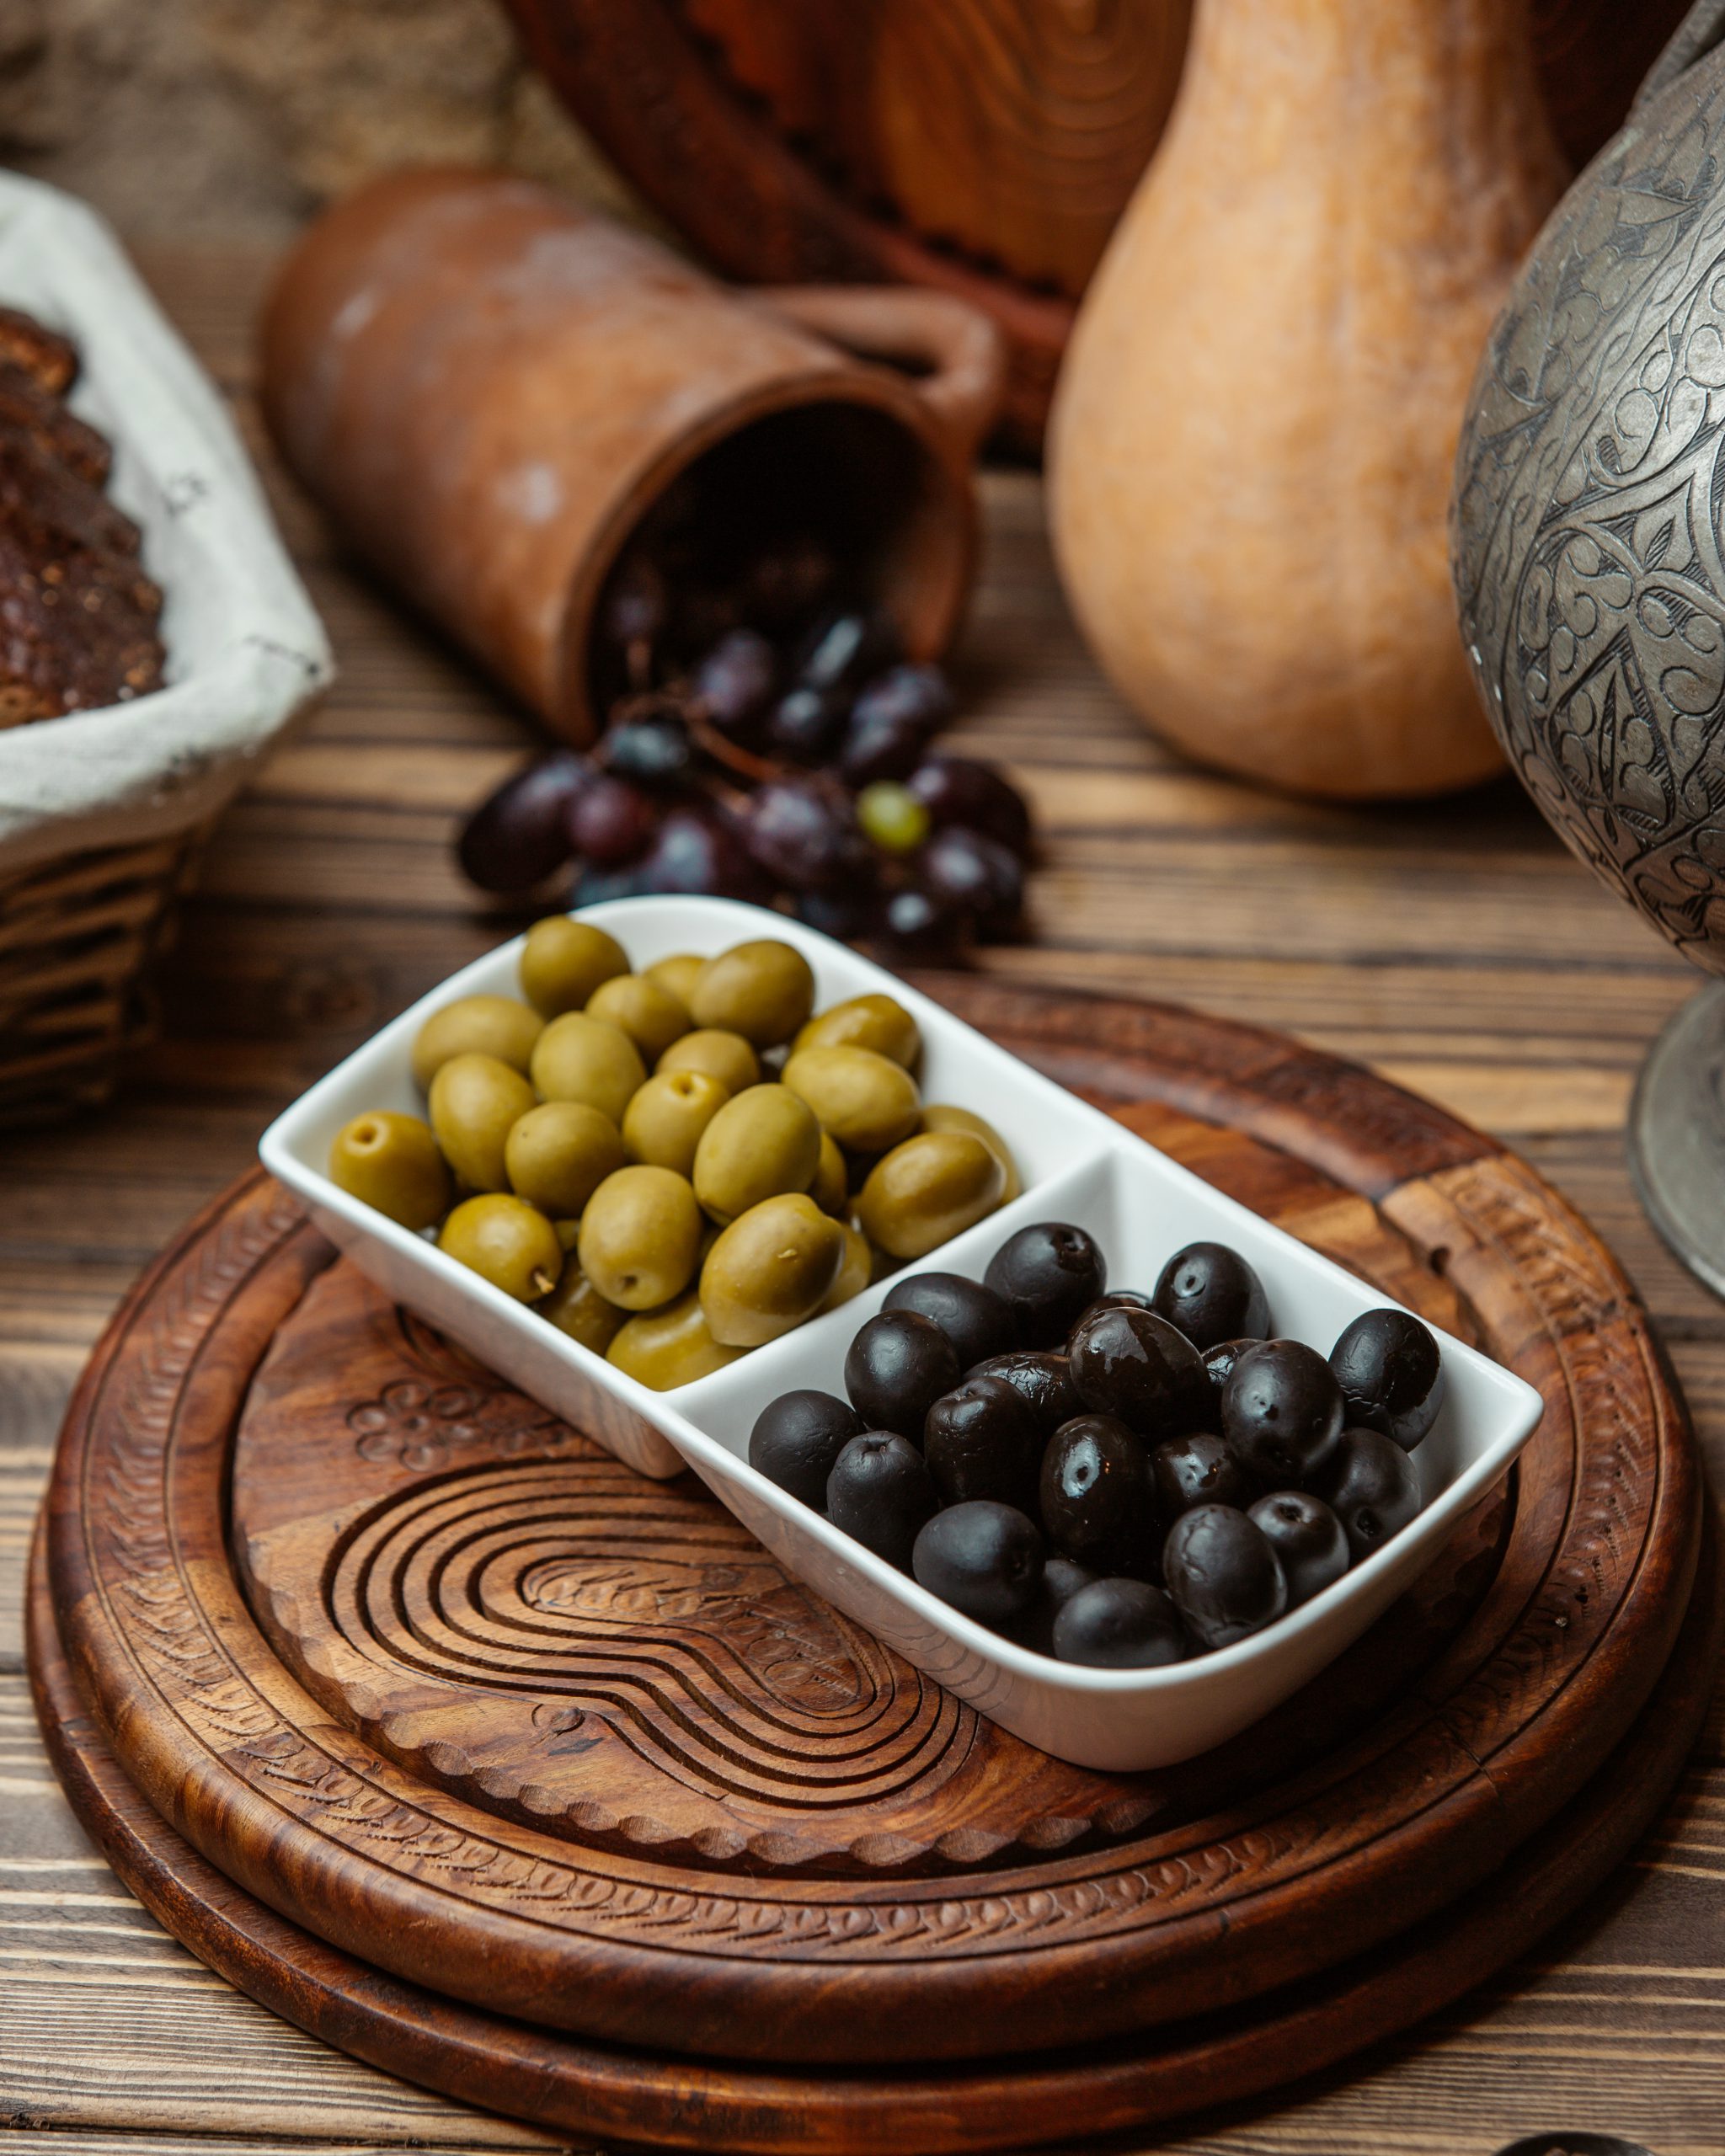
(1061, 1579)
(1198, 1469)
(1219, 1364)
(1212, 1294)
(1309, 1540)
(1282, 1413)
(1044, 1382)
(1120, 1624)
(897, 1366)
(981, 1440)
(1117, 1298)
(1373, 1488)
(1132, 1363)
(797, 1438)
(880, 1491)
(973, 1317)
(1391, 1375)
(1225, 1578)
(982, 1558)
(1046, 1274)
(1097, 1499)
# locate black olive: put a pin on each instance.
(880, 1491)
(1219, 1364)
(1373, 1488)
(1116, 1299)
(1043, 1382)
(898, 1365)
(1046, 1274)
(1307, 1538)
(973, 1317)
(981, 1440)
(1223, 1575)
(1212, 1294)
(1120, 1624)
(1391, 1375)
(983, 1558)
(1097, 1499)
(797, 1438)
(1198, 1469)
(1132, 1363)
(1282, 1413)
(1061, 1579)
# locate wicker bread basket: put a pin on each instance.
(102, 811)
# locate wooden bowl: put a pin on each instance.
(983, 147)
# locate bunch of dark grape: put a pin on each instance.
(769, 745)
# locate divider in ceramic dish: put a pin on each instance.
(1077, 1165)
(1047, 1129)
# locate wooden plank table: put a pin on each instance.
(1457, 948)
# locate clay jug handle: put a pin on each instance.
(1701, 31)
(960, 355)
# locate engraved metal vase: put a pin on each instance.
(1589, 553)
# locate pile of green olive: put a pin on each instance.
(771, 1166)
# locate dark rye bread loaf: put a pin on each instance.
(77, 614)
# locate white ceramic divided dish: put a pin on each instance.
(1076, 1164)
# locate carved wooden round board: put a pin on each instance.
(715, 1856)
(613, 2093)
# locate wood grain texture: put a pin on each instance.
(761, 1928)
(1458, 938)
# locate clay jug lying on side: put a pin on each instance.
(1254, 428)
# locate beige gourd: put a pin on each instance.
(1254, 428)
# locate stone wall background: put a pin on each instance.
(214, 118)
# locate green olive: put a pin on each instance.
(868, 1102)
(769, 1270)
(568, 1233)
(648, 1012)
(583, 1059)
(941, 1115)
(762, 1142)
(856, 1269)
(558, 1154)
(506, 1241)
(475, 1100)
(640, 1238)
(476, 1025)
(663, 1349)
(727, 1057)
(762, 990)
(563, 961)
(662, 1123)
(677, 974)
(831, 1186)
(875, 1022)
(576, 1307)
(932, 1186)
(392, 1162)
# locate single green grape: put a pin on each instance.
(892, 816)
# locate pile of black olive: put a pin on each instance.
(1111, 1477)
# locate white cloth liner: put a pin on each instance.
(245, 650)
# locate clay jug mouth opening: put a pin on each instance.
(854, 477)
